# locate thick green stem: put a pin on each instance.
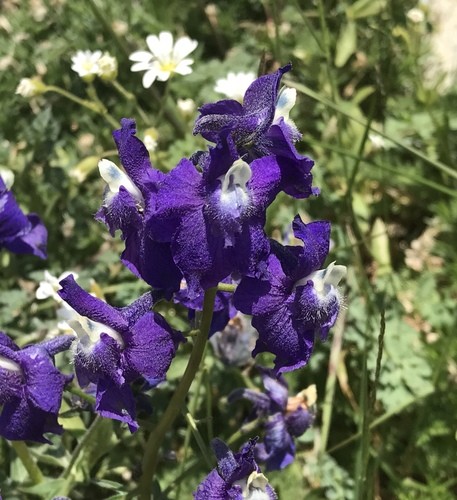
(151, 455)
(28, 462)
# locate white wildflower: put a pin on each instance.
(377, 141)
(186, 106)
(7, 177)
(86, 64)
(163, 58)
(30, 87)
(107, 67)
(150, 139)
(415, 15)
(50, 285)
(234, 85)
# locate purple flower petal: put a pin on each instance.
(89, 306)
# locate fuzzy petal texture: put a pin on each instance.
(31, 389)
(115, 346)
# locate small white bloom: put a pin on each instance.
(377, 141)
(415, 15)
(30, 87)
(163, 58)
(234, 85)
(186, 106)
(107, 67)
(150, 139)
(7, 176)
(50, 285)
(86, 64)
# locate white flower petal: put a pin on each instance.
(149, 77)
(115, 178)
(141, 56)
(183, 47)
(183, 68)
(141, 66)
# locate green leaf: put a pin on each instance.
(347, 44)
(48, 489)
(365, 8)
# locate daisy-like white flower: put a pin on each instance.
(86, 64)
(234, 85)
(163, 57)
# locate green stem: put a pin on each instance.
(327, 407)
(28, 462)
(103, 111)
(72, 97)
(226, 287)
(244, 429)
(131, 98)
(380, 420)
(151, 455)
(96, 106)
(80, 447)
(198, 438)
(80, 393)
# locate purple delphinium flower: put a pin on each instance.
(261, 127)
(298, 300)
(233, 345)
(236, 477)
(223, 309)
(20, 233)
(31, 388)
(285, 418)
(215, 219)
(117, 346)
(129, 202)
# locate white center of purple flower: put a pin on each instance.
(325, 281)
(234, 194)
(89, 332)
(10, 365)
(115, 178)
(254, 487)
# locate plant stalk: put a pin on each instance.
(151, 454)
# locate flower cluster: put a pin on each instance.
(237, 476)
(285, 418)
(199, 227)
(90, 64)
(204, 221)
